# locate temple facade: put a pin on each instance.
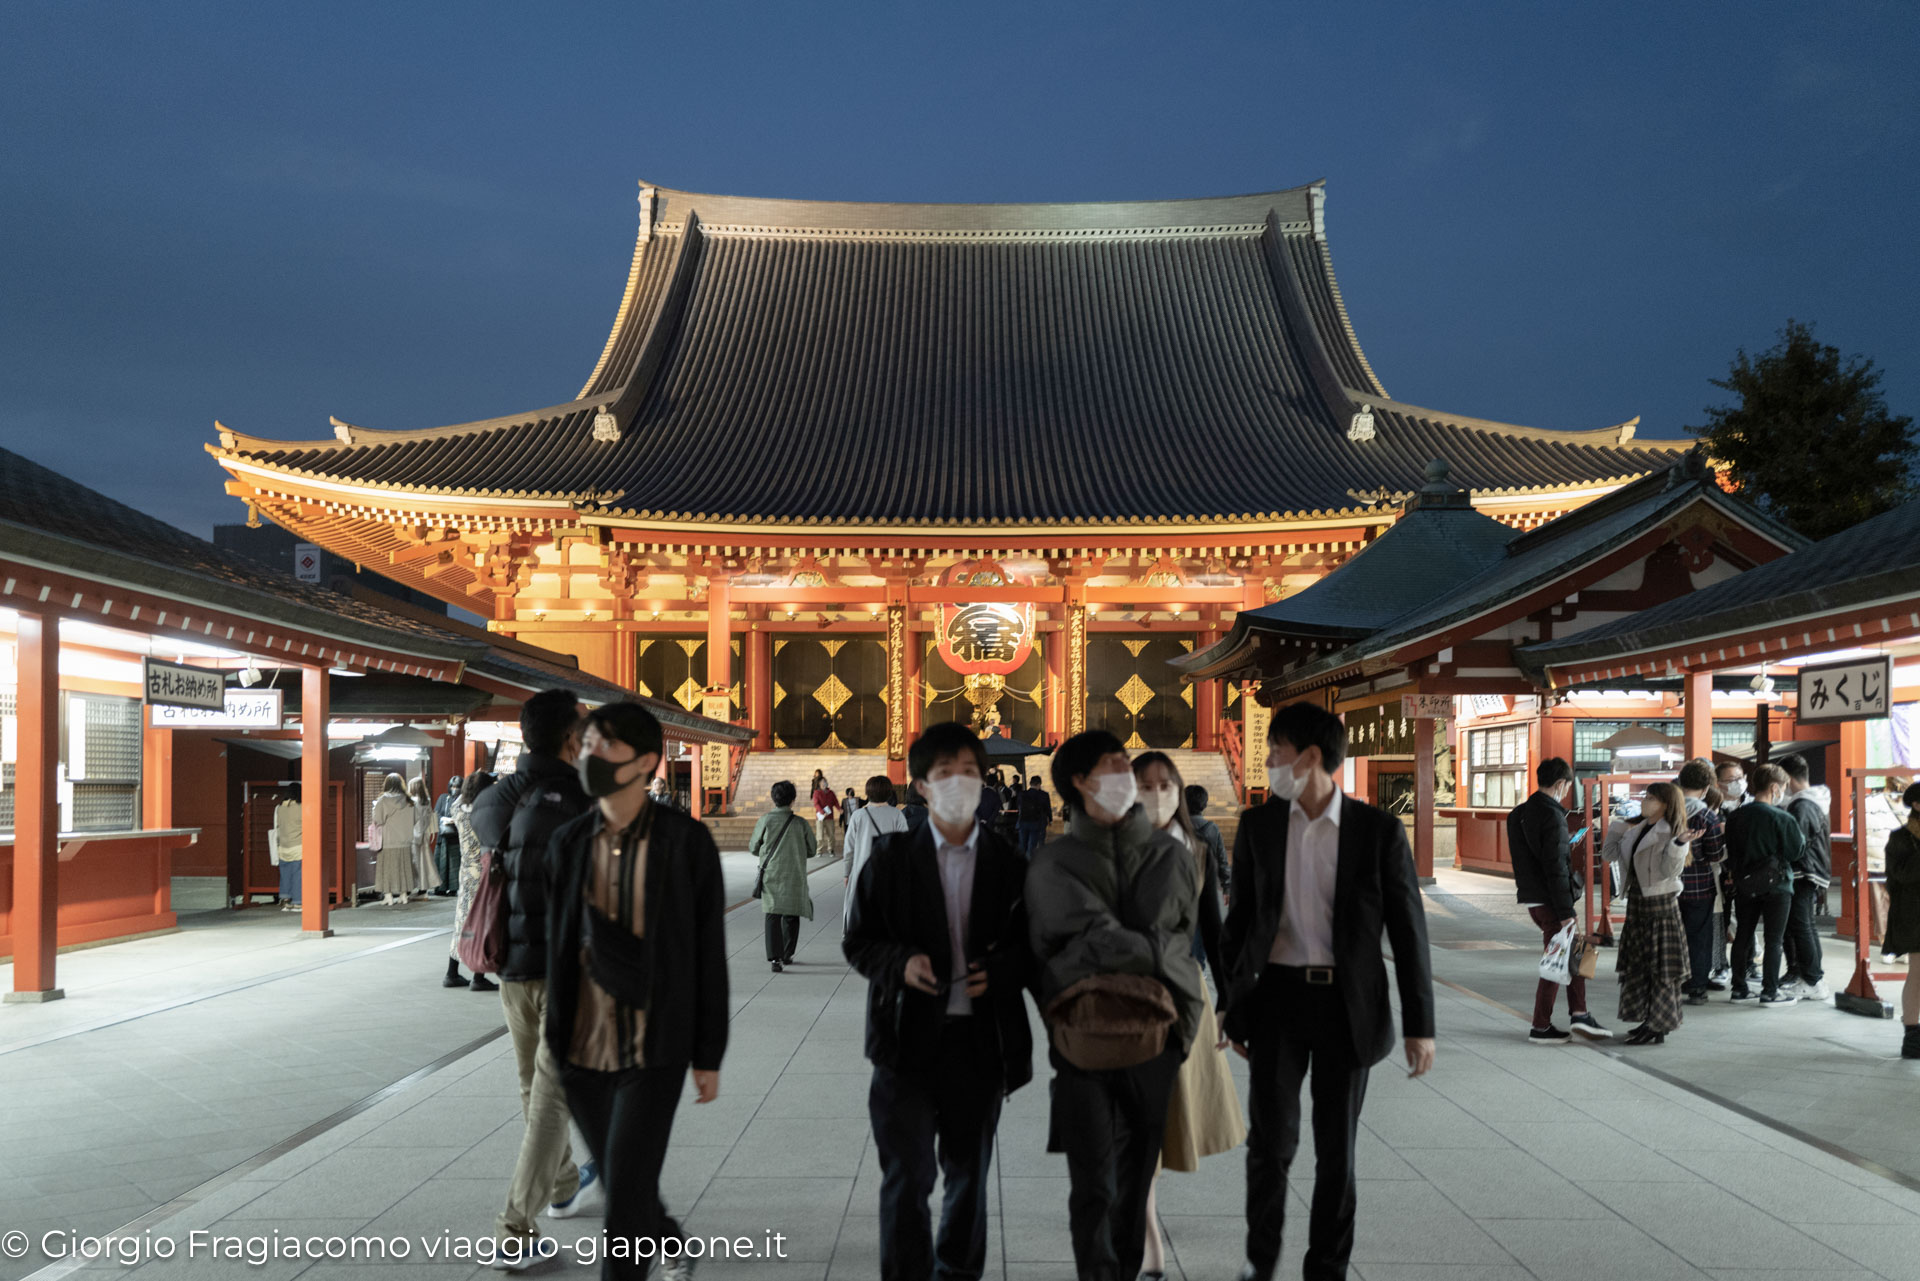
(842, 469)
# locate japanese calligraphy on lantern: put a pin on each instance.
(1860, 689)
(176, 685)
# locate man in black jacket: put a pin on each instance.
(940, 933)
(637, 980)
(518, 816)
(1318, 878)
(1543, 881)
(446, 849)
(1812, 875)
(1035, 813)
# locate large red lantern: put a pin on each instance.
(984, 637)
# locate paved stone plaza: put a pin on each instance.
(231, 1077)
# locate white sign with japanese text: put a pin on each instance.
(1860, 689)
(306, 562)
(1418, 707)
(245, 709)
(177, 685)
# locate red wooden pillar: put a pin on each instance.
(36, 812)
(1698, 711)
(760, 685)
(1207, 694)
(156, 775)
(1423, 797)
(315, 711)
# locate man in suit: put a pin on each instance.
(1318, 878)
(938, 929)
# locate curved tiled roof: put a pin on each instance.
(878, 364)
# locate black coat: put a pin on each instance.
(1538, 844)
(1375, 892)
(900, 909)
(685, 933)
(518, 816)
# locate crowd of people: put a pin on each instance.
(1714, 862)
(614, 978)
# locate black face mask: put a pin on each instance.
(600, 776)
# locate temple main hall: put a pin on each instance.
(843, 469)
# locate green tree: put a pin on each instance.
(1810, 441)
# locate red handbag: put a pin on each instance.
(483, 938)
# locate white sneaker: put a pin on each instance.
(519, 1254)
(1818, 992)
(590, 1195)
(677, 1269)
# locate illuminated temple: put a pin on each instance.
(842, 469)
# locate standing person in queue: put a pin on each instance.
(1209, 833)
(393, 864)
(1730, 779)
(1807, 804)
(940, 934)
(446, 853)
(637, 920)
(1543, 881)
(468, 873)
(781, 846)
(1318, 878)
(1653, 960)
(1700, 879)
(1111, 906)
(518, 816)
(1203, 1112)
(826, 814)
(1763, 845)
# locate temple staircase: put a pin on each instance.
(844, 768)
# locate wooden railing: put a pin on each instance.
(736, 762)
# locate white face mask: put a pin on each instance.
(1111, 795)
(1160, 804)
(953, 799)
(1737, 788)
(1284, 784)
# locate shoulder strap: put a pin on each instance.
(775, 843)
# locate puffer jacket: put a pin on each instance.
(1657, 858)
(1116, 900)
(519, 816)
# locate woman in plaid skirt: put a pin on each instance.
(1653, 963)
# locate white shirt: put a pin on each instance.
(1305, 936)
(956, 882)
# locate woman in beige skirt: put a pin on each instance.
(426, 833)
(1203, 1114)
(393, 865)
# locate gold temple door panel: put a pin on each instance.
(830, 692)
(674, 668)
(1132, 692)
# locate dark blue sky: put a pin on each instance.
(410, 214)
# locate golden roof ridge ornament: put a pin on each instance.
(606, 428)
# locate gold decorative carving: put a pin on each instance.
(1076, 671)
(643, 689)
(833, 647)
(832, 694)
(690, 647)
(1187, 744)
(1134, 695)
(779, 645)
(1187, 645)
(1186, 695)
(833, 743)
(896, 690)
(689, 693)
(1134, 742)
(645, 645)
(779, 692)
(1136, 647)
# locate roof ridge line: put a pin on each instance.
(1619, 433)
(1265, 194)
(347, 435)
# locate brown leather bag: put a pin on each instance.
(483, 938)
(1111, 1021)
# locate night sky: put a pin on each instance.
(408, 215)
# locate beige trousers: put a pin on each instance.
(545, 1172)
(823, 829)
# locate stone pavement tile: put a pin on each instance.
(1412, 1222)
(1591, 1150)
(822, 1148)
(683, 1178)
(354, 1181)
(1552, 1252)
(1892, 1252)
(1710, 1226)
(1429, 1122)
(494, 1154)
(1784, 1274)
(787, 1199)
(436, 1122)
(1794, 1191)
(823, 1094)
(460, 1207)
(1207, 1246)
(1219, 1186)
(1035, 1238)
(1031, 1198)
(1674, 1127)
(715, 1124)
(1442, 1272)
(1507, 1184)
(327, 1270)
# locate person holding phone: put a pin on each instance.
(1653, 963)
(938, 928)
(1544, 882)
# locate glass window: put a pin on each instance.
(1497, 766)
(101, 752)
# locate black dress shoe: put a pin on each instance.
(481, 983)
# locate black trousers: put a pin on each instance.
(1767, 913)
(783, 936)
(1300, 1028)
(626, 1118)
(1698, 917)
(1111, 1124)
(1803, 938)
(944, 1119)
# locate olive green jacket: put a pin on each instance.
(784, 863)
